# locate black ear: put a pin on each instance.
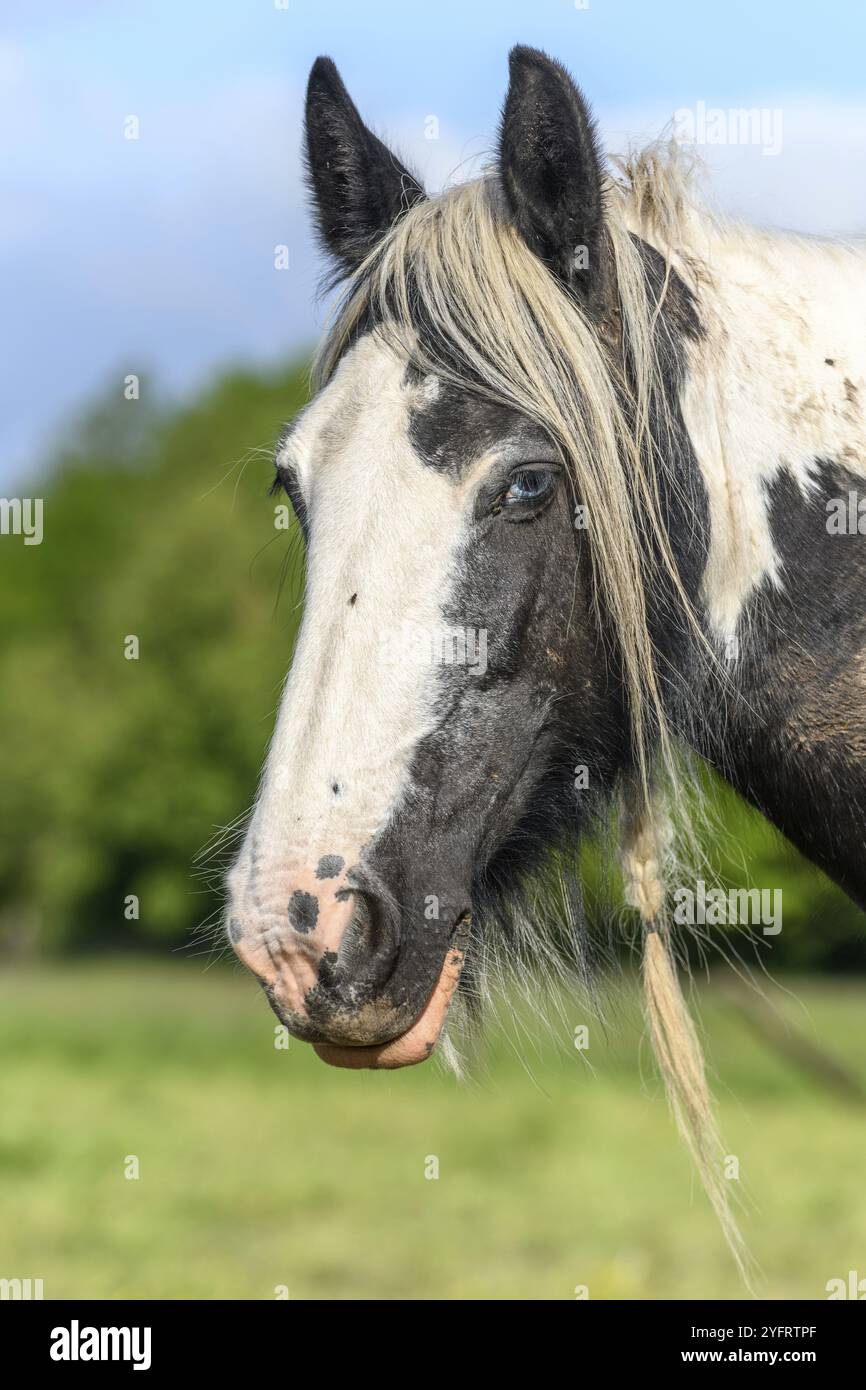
(359, 186)
(551, 170)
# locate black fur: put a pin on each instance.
(551, 171)
(793, 742)
(359, 187)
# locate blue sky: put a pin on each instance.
(156, 255)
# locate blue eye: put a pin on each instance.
(530, 485)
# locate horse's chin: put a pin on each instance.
(417, 1043)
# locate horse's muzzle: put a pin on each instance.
(331, 965)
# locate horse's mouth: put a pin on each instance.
(419, 1040)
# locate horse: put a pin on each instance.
(566, 484)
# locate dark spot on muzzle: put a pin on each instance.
(236, 931)
(329, 866)
(303, 911)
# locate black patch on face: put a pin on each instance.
(329, 866)
(457, 427)
(491, 787)
(303, 911)
(236, 931)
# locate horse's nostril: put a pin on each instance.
(369, 946)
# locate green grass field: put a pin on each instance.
(262, 1168)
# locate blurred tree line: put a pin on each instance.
(117, 772)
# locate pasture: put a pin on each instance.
(261, 1168)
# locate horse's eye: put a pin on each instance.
(529, 485)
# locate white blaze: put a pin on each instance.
(384, 528)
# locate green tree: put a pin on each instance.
(117, 771)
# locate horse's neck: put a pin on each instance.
(776, 384)
(776, 409)
(789, 734)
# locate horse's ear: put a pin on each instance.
(359, 186)
(551, 170)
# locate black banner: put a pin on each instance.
(150, 1338)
